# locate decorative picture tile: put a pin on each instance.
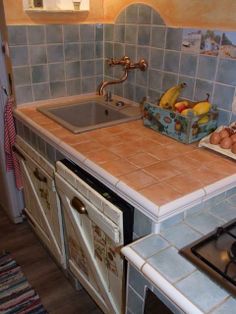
(210, 42)
(191, 40)
(228, 45)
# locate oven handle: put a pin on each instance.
(79, 206)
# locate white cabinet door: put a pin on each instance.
(93, 248)
(42, 204)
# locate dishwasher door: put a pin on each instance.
(93, 237)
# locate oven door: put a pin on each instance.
(93, 244)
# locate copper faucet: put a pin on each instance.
(128, 65)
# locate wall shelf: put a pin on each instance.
(57, 6)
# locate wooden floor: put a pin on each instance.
(56, 292)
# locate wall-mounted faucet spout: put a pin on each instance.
(128, 65)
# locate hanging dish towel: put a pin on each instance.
(12, 162)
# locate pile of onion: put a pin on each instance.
(226, 139)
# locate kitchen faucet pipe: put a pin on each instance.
(128, 65)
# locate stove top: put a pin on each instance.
(215, 254)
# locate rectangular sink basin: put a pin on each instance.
(90, 114)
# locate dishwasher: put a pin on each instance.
(97, 224)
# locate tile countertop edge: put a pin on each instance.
(157, 279)
(155, 212)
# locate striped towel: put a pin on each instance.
(12, 162)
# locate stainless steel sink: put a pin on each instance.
(91, 114)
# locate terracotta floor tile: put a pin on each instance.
(63, 133)
(125, 150)
(160, 193)
(138, 179)
(129, 135)
(101, 156)
(161, 170)
(162, 139)
(142, 159)
(75, 139)
(88, 146)
(184, 183)
(115, 129)
(119, 167)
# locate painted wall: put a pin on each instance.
(184, 13)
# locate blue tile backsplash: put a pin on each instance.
(205, 60)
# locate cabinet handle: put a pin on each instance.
(39, 176)
(16, 150)
(78, 205)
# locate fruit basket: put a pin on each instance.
(187, 128)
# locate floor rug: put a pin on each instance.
(16, 294)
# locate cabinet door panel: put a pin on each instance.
(42, 206)
(85, 236)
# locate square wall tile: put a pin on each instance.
(36, 34)
(22, 76)
(158, 36)
(89, 85)
(71, 33)
(156, 58)
(134, 302)
(131, 32)
(73, 87)
(56, 72)
(39, 73)
(188, 64)
(188, 91)
(87, 32)
(87, 68)
(142, 224)
(17, 35)
(41, 91)
(120, 18)
(223, 96)
(109, 32)
(144, 35)
(99, 49)
(38, 54)
(137, 281)
(57, 89)
(55, 53)
(207, 67)
(87, 50)
(24, 94)
(155, 79)
(19, 55)
(226, 72)
(72, 69)
(174, 38)
(119, 33)
(54, 34)
(72, 51)
(171, 61)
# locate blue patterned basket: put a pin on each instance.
(185, 129)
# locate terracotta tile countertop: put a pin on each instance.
(154, 172)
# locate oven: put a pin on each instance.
(215, 254)
(97, 224)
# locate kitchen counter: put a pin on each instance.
(157, 258)
(155, 173)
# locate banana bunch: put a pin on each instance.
(168, 99)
